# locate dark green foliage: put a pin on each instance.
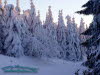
(92, 43)
(91, 7)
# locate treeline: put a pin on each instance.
(26, 34)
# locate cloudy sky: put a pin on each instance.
(68, 6)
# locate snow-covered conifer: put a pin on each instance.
(93, 42)
(12, 43)
(17, 7)
(32, 18)
(39, 26)
(73, 48)
(49, 17)
(82, 37)
(82, 29)
(50, 49)
(61, 33)
(1, 27)
(49, 25)
(5, 3)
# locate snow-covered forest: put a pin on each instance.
(24, 34)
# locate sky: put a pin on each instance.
(69, 7)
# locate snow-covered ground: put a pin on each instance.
(45, 66)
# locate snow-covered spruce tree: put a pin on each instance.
(35, 47)
(50, 49)
(61, 34)
(82, 37)
(1, 27)
(39, 44)
(49, 25)
(82, 29)
(12, 43)
(32, 18)
(22, 29)
(5, 3)
(73, 52)
(32, 46)
(51, 35)
(93, 55)
(17, 7)
(78, 52)
(39, 25)
(27, 38)
(25, 17)
(23, 34)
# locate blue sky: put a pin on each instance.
(68, 6)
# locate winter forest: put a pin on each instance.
(24, 34)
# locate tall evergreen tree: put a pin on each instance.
(32, 18)
(17, 7)
(61, 33)
(82, 26)
(39, 27)
(49, 25)
(12, 42)
(1, 27)
(82, 37)
(49, 17)
(5, 3)
(51, 34)
(93, 43)
(73, 52)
